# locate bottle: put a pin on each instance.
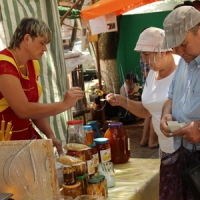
(103, 148)
(75, 132)
(119, 142)
(95, 187)
(88, 134)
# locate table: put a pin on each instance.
(136, 180)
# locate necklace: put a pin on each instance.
(18, 64)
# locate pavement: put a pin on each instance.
(135, 133)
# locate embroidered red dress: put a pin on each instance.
(22, 128)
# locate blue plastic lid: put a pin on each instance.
(101, 140)
(88, 127)
(92, 145)
(115, 124)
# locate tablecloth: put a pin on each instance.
(136, 180)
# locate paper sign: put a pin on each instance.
(106, 23)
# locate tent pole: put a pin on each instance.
(99, 77)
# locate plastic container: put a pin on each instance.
(72, 190)
(95, 155)
(95, 187)
(75, 132)
(77, 154)
(103, 148)
(119, 142)
(84, 182)
(88, 134)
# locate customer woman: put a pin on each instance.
(162, 64)
(19, 87)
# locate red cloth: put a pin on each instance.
(22, 128)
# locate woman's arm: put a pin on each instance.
(135, 107)
(44, 127)
(12, 91)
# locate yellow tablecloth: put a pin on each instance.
(136, 180)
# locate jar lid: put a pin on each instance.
(74, 153)
(92, 122)
(94, 181)
(78, 184)
(92, 145)
(101, 140)
(81, 177)
(75, 122)
(115, 124)
(101, 177)
(88, 127)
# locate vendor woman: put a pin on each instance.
(19, 87)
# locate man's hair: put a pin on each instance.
(32, 26)
(132, 76)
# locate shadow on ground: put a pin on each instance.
(135, 134)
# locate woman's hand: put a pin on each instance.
(115, 99)
(58, 146)
(72, 96)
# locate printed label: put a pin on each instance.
(105, 155)
(90, 166)
(96, 159)
(129, 145)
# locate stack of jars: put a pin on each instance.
(71, 186)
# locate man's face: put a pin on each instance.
(190, 47)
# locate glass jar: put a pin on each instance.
(103, 148)
(75, 132)
(103, 182)
(84, 182)
(77, 154)
(88, 134)
(69, 175)
(119, 143)
(72, 190)
(95, 187)
(95, 155)
(89, 162)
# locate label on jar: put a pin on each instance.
(96, 159)
(90, 166)
(129, 146)
(105, 155)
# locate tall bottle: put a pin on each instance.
(119, 142)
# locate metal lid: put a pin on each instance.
(101, 140)
(73, 122)
(81, 177)
(94, 181)
(115, 124)
(92, 145)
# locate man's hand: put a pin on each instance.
(190, 132)
(163, 125)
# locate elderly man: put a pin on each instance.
(182, 32)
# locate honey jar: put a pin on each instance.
(88, 134)
(103, 148)
(119, 142)
(72, 190)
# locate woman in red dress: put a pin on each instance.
(19, 88)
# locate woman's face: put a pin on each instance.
(152, 59)
(36, 47)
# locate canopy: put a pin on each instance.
(104, 7)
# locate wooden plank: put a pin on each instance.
(27, 169)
